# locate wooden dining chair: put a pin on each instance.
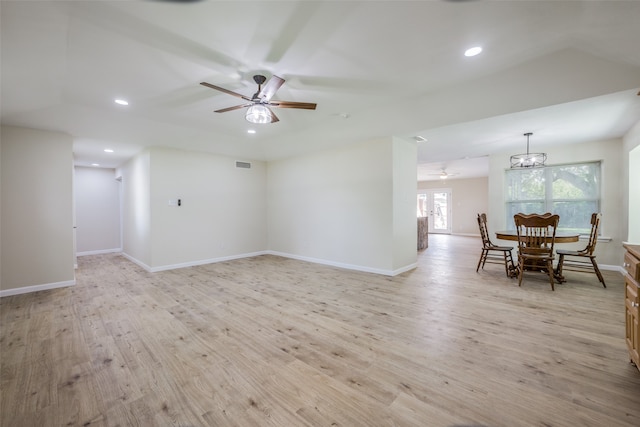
(493, 253)
(536, 238)
(582, 260)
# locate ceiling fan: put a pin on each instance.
(258, 105)
(443, 174)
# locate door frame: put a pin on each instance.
(429, 192)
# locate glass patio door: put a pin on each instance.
(436, 206)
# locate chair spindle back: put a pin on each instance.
(593, 236)
(536, 232)
(484, 232)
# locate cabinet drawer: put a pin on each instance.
(632, 314)
(631, 292)
(632, 265)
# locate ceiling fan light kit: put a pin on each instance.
(258, 114)
(528, 160)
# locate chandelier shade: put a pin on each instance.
(258, 113)
(528, 160)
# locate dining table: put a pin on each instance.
(561, 237)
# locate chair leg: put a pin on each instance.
(550, 271)
(597, 270)
(482, 257)
(520, 270)
(508, 260)
(506, 265)
(559, 275)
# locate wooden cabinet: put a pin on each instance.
(423, 233)
(631, 301)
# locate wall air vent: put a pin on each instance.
(243, 165)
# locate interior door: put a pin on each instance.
(436, 206)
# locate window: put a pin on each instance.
(571, 191)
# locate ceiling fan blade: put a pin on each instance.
(270, 88)
(292, 104)
(237, 107)
(221, 89)
(274, 118)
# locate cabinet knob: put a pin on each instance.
(625, 264)
(634, 304)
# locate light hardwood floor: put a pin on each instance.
(269, 341)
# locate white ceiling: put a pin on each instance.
(568, 71)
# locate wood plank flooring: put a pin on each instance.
(269, 341)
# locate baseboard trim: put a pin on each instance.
(466, 234)
(191, 263)
(36, 288)
(99, 252)
(136, 262)
(268, 252)
(404, 269)
(346, 266)
(617, 268)
(205, 261)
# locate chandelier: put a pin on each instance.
(528, 160)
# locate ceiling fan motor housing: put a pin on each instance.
(259, 79)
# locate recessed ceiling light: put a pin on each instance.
(121, 102)
(251, 131)
(95, 164)
(108, 150)
(473, 51)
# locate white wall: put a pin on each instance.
(631, 167)
(336, 207)
(469, 197)
(405, 227)
(1, 212)
(37, 211)
(612, 196)
(136, 208)
(222, 212)
(634, 196)
(97, 207)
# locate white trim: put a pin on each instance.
(466, 234)
(191, 263)
(599, 239)
(276, 253)
(99, 252)
(608, 267)
(404, 269)
(346, 266)
(136, 262)
(205, 261)
(36, 288)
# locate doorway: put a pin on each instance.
(98, 211)
(436, 206)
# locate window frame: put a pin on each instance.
(548, 201)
